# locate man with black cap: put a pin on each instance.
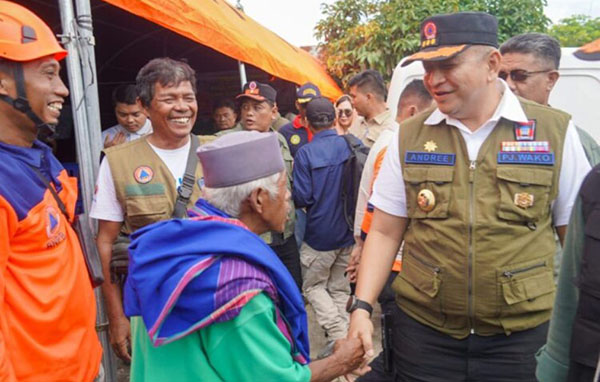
(318, 172)
(258, 112)
(482, 181)
(296, 133)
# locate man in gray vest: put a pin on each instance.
(481, 182)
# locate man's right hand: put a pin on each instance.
(120, 337)
(361, 327)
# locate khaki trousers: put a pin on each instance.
(326, 288)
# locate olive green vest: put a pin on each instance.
(144, 199)
(477, 262)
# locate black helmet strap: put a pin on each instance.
(21, 103)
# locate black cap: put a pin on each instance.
(320, 112)
(445, 36)
(307, 92)
(258, 91)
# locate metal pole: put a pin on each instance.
(243, 79)
(90, 82)
(87, 163)
(241, 66)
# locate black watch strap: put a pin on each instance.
(357, 303)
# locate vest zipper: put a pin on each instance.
(472, 167)
(510, 274)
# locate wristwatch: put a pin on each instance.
(355, 303)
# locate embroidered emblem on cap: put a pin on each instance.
(430, 146)
(523, 200)
(430, 33)
(525, 131)
(426, 200)
(309, 91)
(295, 139)
(252, 88)
(143, 174)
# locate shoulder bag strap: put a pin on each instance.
(59, 201)
(184, 192)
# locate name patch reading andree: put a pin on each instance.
(443, 159)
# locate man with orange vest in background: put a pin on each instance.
(47, 306)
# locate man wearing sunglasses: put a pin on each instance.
(530, 64)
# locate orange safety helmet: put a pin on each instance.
(24, 37)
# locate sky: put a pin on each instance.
(294, 20)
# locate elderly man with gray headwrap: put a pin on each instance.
(216, 303)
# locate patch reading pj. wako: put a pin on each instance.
(443, 159)
(526, 158)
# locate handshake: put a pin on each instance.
(349, 355)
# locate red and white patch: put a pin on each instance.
(429, 30)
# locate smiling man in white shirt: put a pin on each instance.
(481, 183)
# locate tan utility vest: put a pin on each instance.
(477, 262)
(144, 198)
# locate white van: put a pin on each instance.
(577, 91)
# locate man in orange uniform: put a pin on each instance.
(47, 307)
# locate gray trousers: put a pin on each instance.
(326, 288)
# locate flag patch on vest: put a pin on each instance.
(417, 157)
(526, 158)
(525, 131)
(526, 146)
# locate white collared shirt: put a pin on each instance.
(129, 136)
(389, 194)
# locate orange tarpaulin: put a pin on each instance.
(218, 25)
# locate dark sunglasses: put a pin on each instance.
(520, 75)
(346, 112)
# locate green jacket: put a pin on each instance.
(289, 164)
(481, 260)
(553, 358)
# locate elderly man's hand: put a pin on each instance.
(348, 353)
(120, 337)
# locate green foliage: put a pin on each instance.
(376, 34)
(576, 30)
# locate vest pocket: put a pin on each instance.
(524, 193)
(526, 289)
(419, 282)
(146, 209)
(436, 179)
